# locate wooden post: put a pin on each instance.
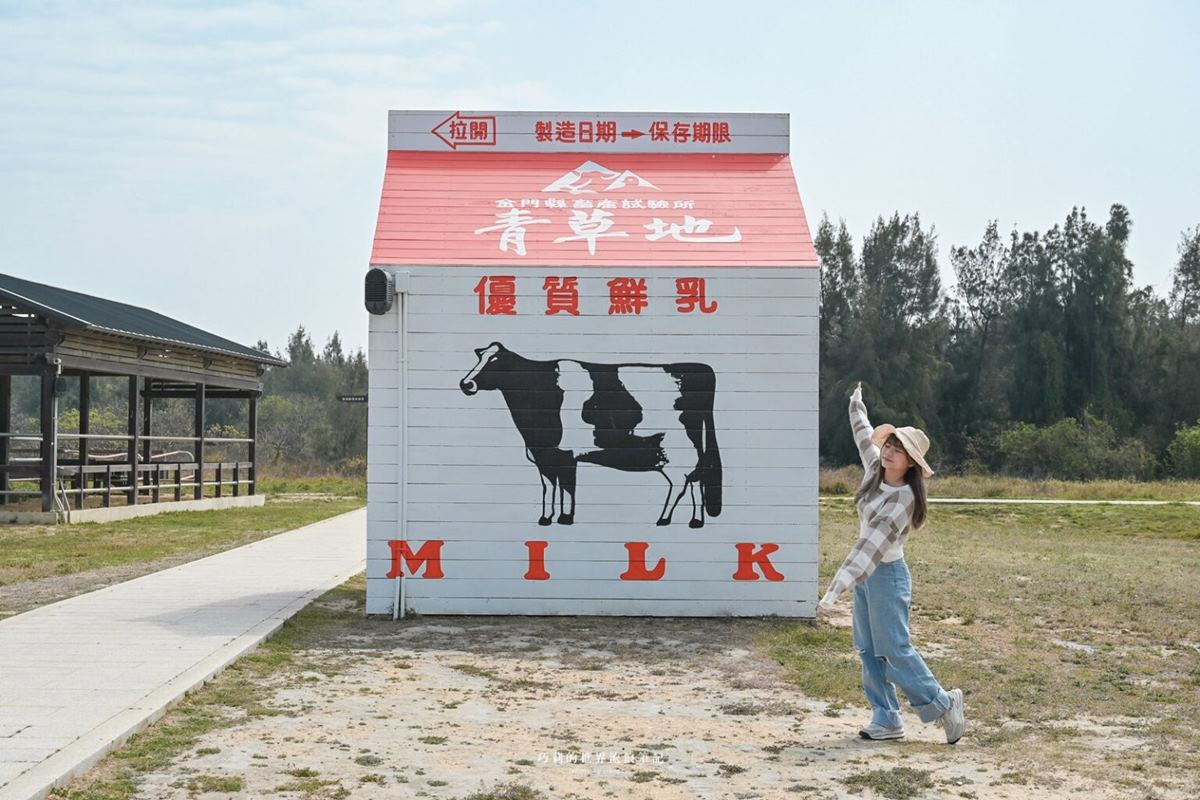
(199, 441)
(253, 436)
(85, 427)
(147, 417)
(134, 400)
(49, 449)
(5, 427)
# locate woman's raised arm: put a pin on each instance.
(861, 427)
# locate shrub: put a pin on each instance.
(1183, 453)
(1072, 451)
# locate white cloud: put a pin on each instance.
(243, 143)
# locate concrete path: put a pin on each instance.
(79, 677)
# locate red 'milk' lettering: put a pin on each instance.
(637, 564)
(747, 558)
(430, 554)
(537, 561)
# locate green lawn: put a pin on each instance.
(31, 552)
(1043, 615)
(844, 481)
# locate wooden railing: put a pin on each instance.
(153, 480)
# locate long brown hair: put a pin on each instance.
(916, 482)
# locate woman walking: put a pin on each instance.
(891, 502)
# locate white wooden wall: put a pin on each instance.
(469, 482)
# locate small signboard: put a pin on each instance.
(560, 132)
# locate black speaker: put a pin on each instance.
(379, 291)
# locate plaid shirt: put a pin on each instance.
(885, 516)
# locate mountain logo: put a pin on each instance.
(590, 173)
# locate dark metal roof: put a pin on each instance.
(77, 310)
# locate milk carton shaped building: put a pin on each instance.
(593, 367)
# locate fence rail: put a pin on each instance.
(144, 483)
(124, 437)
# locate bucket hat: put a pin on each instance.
(915, 442)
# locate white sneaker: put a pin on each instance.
(954, 720)
(877, 731)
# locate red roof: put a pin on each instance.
(601, 209)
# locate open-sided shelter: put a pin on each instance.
(59, 335)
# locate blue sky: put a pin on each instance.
(221, 162)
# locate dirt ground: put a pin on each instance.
(573, 707)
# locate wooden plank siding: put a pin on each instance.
(470, 485)
(176, 360)
(24, 338)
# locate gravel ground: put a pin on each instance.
(575, 707)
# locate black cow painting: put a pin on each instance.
(570, 412)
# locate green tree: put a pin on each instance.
(1183, 337)
(1096, 276)
(892, 329)
(1184, 452)
(332, 354)
(1037, 391)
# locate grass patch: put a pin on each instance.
(336, 485)
(814, 656)
(508, 791)
(215, 783)
(32, 552)
(845, 480)
(476, 672)
(315, 787)
(900, 783)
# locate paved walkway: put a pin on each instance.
(78, 677)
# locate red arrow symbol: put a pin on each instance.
(632, 134)
(454, 131)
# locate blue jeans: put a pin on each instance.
(889, 658)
